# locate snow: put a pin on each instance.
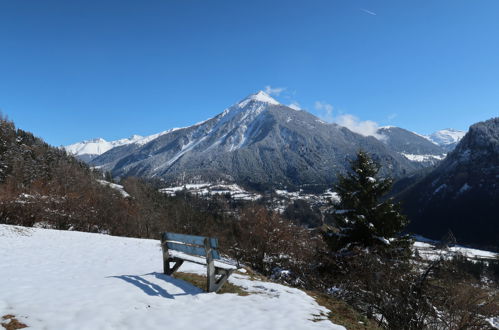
(261, 96)
(71, 280)
(446, 136)
(200, 260)
(210, 189)
(382, 239)
(423, 158)
(442, 186)
(464, 188)
(325, 197)
(98, 146)
(115, 187)
(428, 251)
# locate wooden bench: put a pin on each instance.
(178, 248)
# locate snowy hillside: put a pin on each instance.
(447, 136)
(412, 146)
(71, 280)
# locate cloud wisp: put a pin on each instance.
(363, 127)
(326, 111)
(295, 106)
(392, 116)
(353, 123)
(276, 91)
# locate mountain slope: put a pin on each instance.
(411, 145)
(256, 141)
(462, 193)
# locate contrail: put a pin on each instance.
(368, 12)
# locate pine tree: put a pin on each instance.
(361, 219)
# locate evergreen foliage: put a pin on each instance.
(361, 219)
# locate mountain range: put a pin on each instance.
(260, 142)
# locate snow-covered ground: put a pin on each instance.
(283, 198)
(211, 189)
(423, 158)
(115, 186)
(67, 280)
(427, 250)
(325, 197)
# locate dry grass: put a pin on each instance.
(343, 314)
(200, 282)
(10, 322)
(253, 276)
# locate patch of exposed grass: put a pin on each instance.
(10, 322)
(342, 314)
(200, 282)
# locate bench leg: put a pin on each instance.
(167, 269)
(167, 259)
(213, 284)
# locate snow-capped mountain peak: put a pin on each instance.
(135, 137)
(447, 136)
(261, 96)
(98, 146)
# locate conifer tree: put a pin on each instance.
(361, 219)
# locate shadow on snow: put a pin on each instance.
(153, 289)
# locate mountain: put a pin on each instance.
(258, 142)
(412, 146)
(88, 150)
(462, 192)
(447, 138)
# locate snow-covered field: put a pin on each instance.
(423, 158)
(67, 280)
(211, 189)
(428, 251)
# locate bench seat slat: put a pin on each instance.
(199, 260)
(190, 239)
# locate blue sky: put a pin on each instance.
(74, 70)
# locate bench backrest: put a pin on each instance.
(190, 244)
